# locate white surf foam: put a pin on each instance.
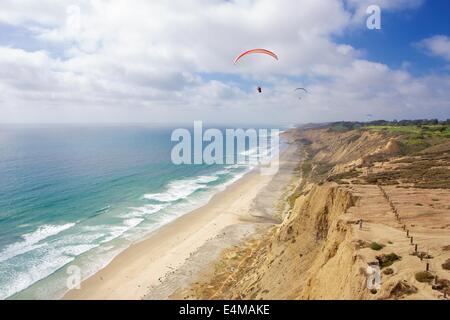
(35, 270)
(181, 189)
(206, 179)
(146, 210)
(31, 240)
(117, 231)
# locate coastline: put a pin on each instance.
(147, 264)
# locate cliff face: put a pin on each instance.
(308, 256)
(311, 256)
(335, 271)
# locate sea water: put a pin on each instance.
(79, 195)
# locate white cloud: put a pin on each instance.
(172, 61)
(438, 46)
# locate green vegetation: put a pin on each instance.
(344, 126)
(388, 271)
(411, 130)
(426, 171)
(293, 197)
(343, 176)
(416, 133)
(414, 138)
(305, 142)
(306, 167)
(412, 135)
(424, 276)
(386, 260)
(376, 246)
(320, 172)
(403, 126)
(446, 265)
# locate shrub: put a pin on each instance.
(386, 260)
(376, 246)
(424, 276)
(446, 265)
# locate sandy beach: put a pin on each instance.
(231, 215)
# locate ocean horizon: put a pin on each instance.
(79, 195)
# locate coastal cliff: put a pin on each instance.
(358, 200)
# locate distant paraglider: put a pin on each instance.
(302, 90)
(256, 51)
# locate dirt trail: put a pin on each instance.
(391, 219)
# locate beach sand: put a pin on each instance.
(173, 255)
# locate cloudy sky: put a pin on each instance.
(69, 61)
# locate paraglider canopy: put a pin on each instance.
(254, 51)
(301, 89)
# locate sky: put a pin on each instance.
(116, 61)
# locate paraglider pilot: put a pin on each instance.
(259, 89)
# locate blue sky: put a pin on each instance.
(158, 61)
(393, 44)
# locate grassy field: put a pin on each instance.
(420, 132)
(416, 137)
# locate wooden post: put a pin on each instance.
(428, 266)
(404, 227)
(412, 240)
(407, 233)
(360, 224)
(415, 249)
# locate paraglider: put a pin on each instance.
(301, 89)
(256, 51)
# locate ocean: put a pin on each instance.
(79, 195)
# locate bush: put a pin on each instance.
(424, 276)
(386, 260)
(376, 246)
(446, 265)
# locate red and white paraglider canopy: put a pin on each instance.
(254, 51)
